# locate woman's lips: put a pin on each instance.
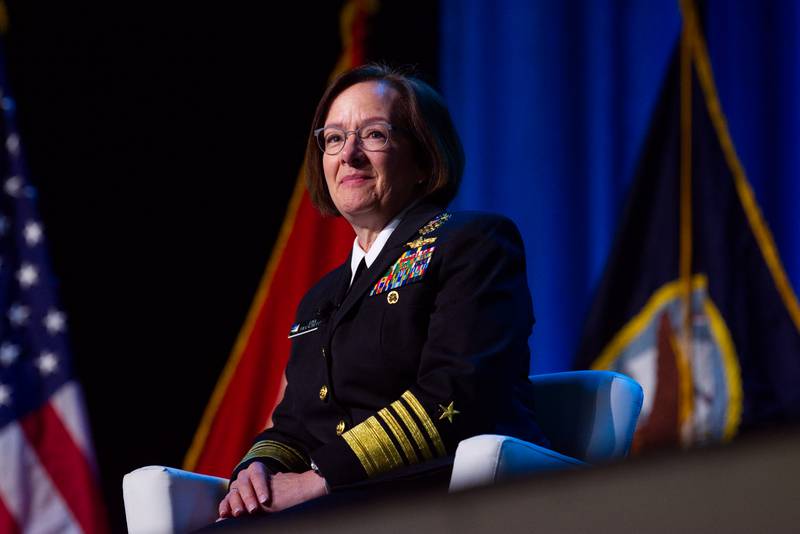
(354, 179)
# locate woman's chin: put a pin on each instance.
(358, 205)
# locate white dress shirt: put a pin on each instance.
(376, 247)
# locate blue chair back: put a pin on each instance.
(589, 415)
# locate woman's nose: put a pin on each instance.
(352, 151)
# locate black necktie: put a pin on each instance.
(359, 271)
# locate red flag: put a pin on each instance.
(308, 246)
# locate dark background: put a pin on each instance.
(165, 141)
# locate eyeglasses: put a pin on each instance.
(372, 136)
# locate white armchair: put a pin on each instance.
(165, 500)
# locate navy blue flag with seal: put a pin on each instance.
(695, 303)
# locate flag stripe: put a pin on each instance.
(27, 491)
(7, 523)
(69, 405)
(68, 468)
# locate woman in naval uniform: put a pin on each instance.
(420, 338)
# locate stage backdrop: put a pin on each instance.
(554, 100)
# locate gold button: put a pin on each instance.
(340, 428)
(392, 297)
(323, 392)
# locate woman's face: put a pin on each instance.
(370, 187)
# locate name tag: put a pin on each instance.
(299, 329)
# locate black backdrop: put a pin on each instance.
(165, 140)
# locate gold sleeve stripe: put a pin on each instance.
(299, 457)
(385, 443)
(426, 422)
(285, 455)
(290, 453)
(400, 435)
(412, 427)
(269, 452)
(373, 447)
(360, 451)
(266, 449)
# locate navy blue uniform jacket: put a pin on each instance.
(396, 370)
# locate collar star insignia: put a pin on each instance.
(421, 242)
(449, 412)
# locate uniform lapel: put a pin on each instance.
(344, 281)
(393, 248)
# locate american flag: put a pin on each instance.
(48, 481)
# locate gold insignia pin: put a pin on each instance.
(449, 412)
(421, 242)
(392, 297)
(433, 224)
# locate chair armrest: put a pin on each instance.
(490, 458)
(164, 500)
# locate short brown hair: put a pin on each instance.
(423, 116)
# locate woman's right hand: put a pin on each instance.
(248, 493)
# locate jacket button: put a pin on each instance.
(323, 352)
(323, 393)
(340, 428)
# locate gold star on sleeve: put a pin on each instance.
(448, 412)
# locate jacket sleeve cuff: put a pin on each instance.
(278, 457)
(338, 465)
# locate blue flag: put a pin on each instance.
(695, 303)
